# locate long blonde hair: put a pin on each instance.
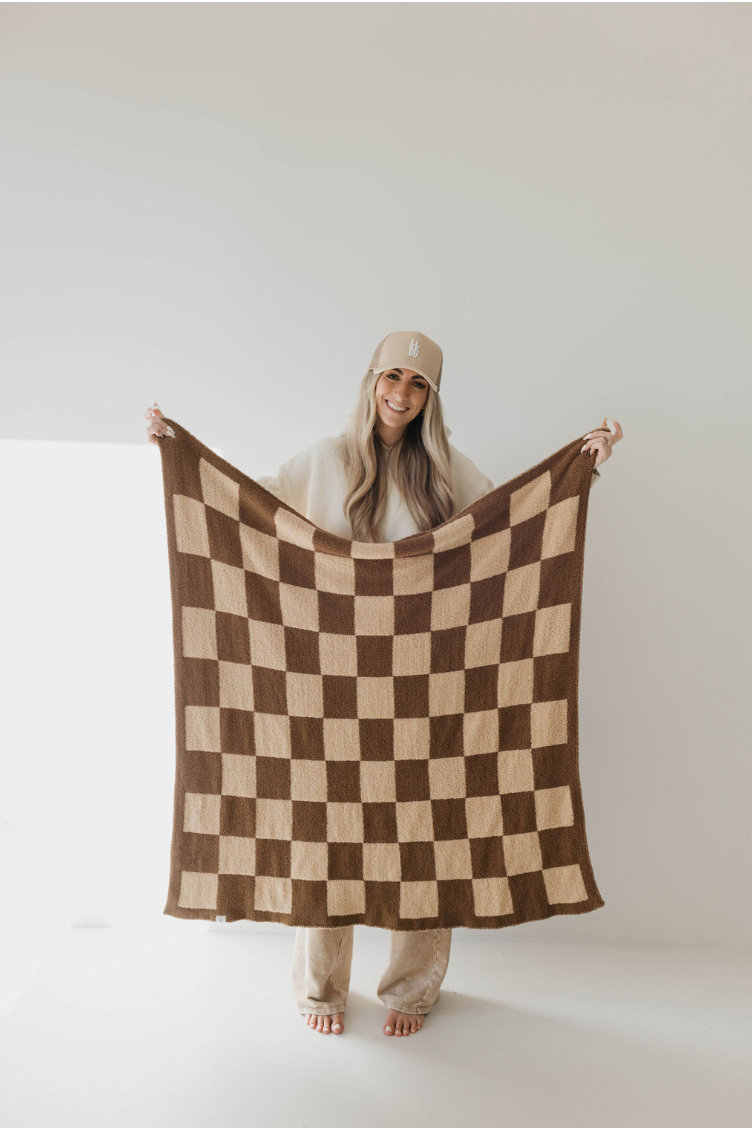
(422, 471)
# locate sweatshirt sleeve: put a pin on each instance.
(468, 481)
(291, 482)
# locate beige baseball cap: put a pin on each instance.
(409, 349)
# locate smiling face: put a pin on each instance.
(400, 395)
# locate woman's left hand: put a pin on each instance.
(601, 440)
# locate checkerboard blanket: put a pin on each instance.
(381, 734)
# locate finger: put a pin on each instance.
(612, 430)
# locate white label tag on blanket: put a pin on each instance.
(223, 919)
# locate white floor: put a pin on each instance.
(177, 1025)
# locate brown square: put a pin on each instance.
(412, 613)
(343, 781)
(449, 819)
(262, 595)
(412, 780)
(340, 696)
(233, 641)
(336, 613)
(374, 655)
(448, 650)
(379, 822)
(482, 774)
(518, 812)
(269, 690)
(272, 777)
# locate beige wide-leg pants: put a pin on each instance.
(322, 960)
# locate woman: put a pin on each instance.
(390, 474)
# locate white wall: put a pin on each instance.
(225, 207)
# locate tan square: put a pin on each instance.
(411, 654)
(522, 853)
(415, 821)
(334, 573)
(374, 614)
(548, 723)
(489, 556)
(446, 693)
(260, 552)
(294, 528)
(368, 550)
(235, 686)
(456, 533)
(450, 607)
(552, 629)
(191, 531)
(413, 574)
(564, 885)
(344, 822)
(447, 778)
(309, 861)
(300, 607)
(201, 813)
(412, 738)
(338, 654)
(481, 732)
(202, 728)
(345, 897)
(381, 861)
(271, 734)
(553, 807)
(267, 643)
(305, 695)
(418, 899)
(516, 771)
(198, 890)
(531, 499)
(272, 894)
(378, 782)
(492, 896)
(375, 697)
(199, 632)
(237, 855)
(521, 590)
(218, 490)
(484, 816)
(453, 859)
(274, 818)
(229, 588)
(560, 529)
(515, 682)
(238, 775)
(308, 780)
(341, 738)
(483, 643)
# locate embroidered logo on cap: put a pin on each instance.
(414, 347)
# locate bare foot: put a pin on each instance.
(399, 1024)
(326, 1023)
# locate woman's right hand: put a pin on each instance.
(157, 426)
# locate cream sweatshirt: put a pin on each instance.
(313, 482)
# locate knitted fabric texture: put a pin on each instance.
(382, 734)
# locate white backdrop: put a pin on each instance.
(226, 207)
